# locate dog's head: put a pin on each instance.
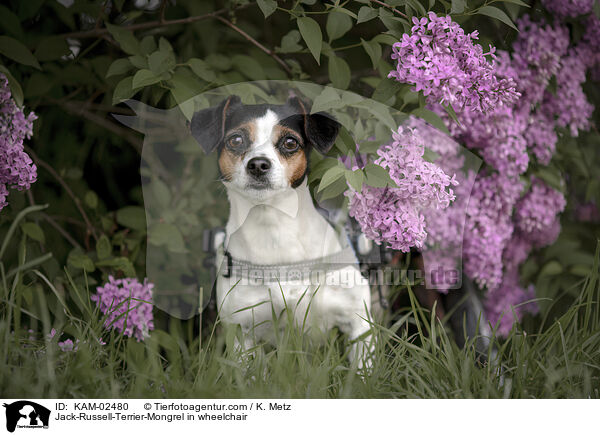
(263, 148)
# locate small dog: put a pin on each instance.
(273, 226)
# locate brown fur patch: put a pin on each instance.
(295, 164)
(227, 163)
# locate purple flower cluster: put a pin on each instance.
(68, 345)
(128, 306)
(500, 215)
(588, 47)
(511, 112)
(443, 248)
(16, 168)
(568, 8)
(489, 227)
(394, 215)
(536, 213)
(441, 60)
(506, 304)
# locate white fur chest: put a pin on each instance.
(288, 231)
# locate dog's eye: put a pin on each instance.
(290, 144)
(235, 141)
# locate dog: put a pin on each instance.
(273, 225)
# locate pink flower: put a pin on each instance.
(394, 215)
(128, 306)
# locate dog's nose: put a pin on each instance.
(258, 166)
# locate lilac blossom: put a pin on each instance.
(67, 345)
(536, 58)
(441, 60)
(510, 297)
(568, 8)
(588, 46)
(443, 249)
(16, 167)
(489, 227)
(394, 214)
(128, 306)
(536, 213)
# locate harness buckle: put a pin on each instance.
(227, 273)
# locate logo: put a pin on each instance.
(26, 414)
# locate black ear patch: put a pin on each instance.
(208, 125)
(320, 128)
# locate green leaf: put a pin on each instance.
(16, 51)
(328, 99)
(519, 3)
(317, 171)
(335, 189)
(162, 234)
(450, 111)
(202, 70)
(81, 261)
(249, 67)
(373, 49)
(355, 179)
(33, 231)
(144, 77)
(395, 25)
(91, 199)
(129, 44)
(10, 22)
(345, 142)
(139, 61)
(164, 44)
(366, 13)
(339, 72)
(311, 33)
(103, 247)
(219, 61)
(123, 90)
(13, 84)
(38, 84)
(551, 268)
(337, 25)
(161, 62)
(385, 90)
(120, 263)
(289, 43)
(458, 6)
(52, 48)
(267, 7)
(432, 118)
(148, 45)
(498, 14)
(133, 217)
(378, 176)
(184, 86)
(118, 67)
(331, 175)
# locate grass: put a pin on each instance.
(416, 357)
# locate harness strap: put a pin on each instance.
(269, 273)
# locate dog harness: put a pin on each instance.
(237, 269)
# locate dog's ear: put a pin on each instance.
(208, 125)
(320, 128)
(322, 131)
